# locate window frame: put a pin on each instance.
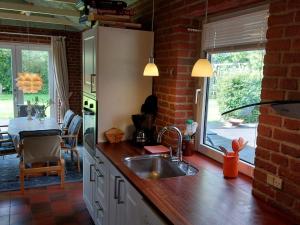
(244, 167)
(16, 66)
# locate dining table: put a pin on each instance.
(16, 125)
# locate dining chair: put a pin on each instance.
(7, 146)
(70, 139)
(67, 120)
(40, 153)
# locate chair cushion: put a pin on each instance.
(73, 129)
(68, 118)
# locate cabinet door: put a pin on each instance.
(114, 176)
(89, 61)
(88, 181)
(133, 206)
(149, 217)
(101, 190)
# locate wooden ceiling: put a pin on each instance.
(56, 14)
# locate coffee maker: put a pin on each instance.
(144, 123)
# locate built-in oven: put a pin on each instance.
(89, 124)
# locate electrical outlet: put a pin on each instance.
(274, 181)
(277, 182)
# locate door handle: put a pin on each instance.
(93, 76)
(119, 191)
(91, 168)
(115, 191)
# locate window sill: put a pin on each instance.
(244, 167)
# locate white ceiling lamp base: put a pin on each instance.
(202, 68)
(151, 69)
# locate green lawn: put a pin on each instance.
(6, 103)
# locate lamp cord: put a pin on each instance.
(206, 9)
(152, 25)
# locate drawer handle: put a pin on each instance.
(100, 208)
(99, 160)
(91, 168)
(115, 191)
(99, 174)
(119, 191)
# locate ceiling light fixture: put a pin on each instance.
(203, 68)
(151, 69)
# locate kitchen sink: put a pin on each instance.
(158, 166)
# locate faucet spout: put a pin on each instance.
(179, 142)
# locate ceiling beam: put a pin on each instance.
(38, 9)
(38, 19)
(63, 1)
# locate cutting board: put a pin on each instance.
(156, 149)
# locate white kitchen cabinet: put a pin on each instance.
(149, 216)
(110, 198)
(88, 181)
(113, 63)
(89, 50)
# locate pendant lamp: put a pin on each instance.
(151, 69)
(29, 82)
(203, 68)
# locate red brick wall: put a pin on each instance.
(278, 150)
(176, 50)
(73, 45)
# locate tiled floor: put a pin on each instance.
(45, 206)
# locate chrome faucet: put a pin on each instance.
(179, 143)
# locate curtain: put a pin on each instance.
(60, 71)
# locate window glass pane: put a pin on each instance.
(6, 88)
(236, 82)
(37, 62)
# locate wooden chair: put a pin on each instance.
(7, 146)
(43, 147)
(67, 120)
(70, 140)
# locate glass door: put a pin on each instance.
(7, 88)
(15, 58)
(35, 59)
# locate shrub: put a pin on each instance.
(236, 90)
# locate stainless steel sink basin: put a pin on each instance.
(158, 166)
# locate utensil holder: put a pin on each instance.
(187, 147)
(230, 165)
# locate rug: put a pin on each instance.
(9, 173)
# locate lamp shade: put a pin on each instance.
(202, 68)
(151, 69)
(29, 82)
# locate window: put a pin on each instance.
(16, 58)
(235, 46)
(236, 82)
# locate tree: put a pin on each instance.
(5, 71)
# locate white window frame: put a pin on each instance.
(244, 167)
(16, 67)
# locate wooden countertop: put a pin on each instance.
(206, 198)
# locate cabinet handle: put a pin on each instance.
(100, 208)
(99, 160)
(91, 168)
(99, 174)
(93, 76)
(119, 191)
(115, 191)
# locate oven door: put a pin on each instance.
(90, 125)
